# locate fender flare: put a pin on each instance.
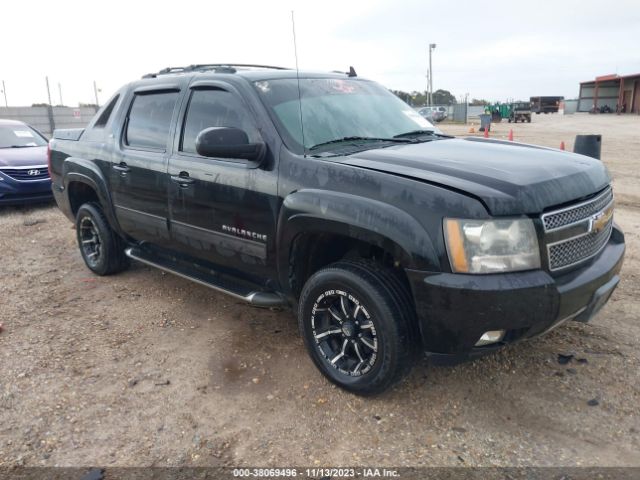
(361, 218)
(77, 170)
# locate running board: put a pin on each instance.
(215, 281)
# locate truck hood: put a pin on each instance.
(509, 178)
(23, 157)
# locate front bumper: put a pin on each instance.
(14, 192)
(454, 310)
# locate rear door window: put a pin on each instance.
(149, 120)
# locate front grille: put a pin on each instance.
(577, 213)
(26, 174)
(570, 252)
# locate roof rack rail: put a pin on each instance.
(217, 67)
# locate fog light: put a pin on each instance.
(492, 336)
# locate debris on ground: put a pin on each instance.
(30, 222)
(564, 359)
(94, 474)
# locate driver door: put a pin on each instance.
(222, 211)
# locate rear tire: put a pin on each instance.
(101, 248)
(357, 322)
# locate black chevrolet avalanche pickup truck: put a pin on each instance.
(328, 194)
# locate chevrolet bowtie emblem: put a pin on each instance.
(599, 221)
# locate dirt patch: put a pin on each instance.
(144, 368)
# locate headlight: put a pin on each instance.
(489, 246)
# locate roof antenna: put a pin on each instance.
(352, 72)
(295, 51)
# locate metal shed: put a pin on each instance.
(620, 93)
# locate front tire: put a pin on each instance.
(356, 320)
(101, 248)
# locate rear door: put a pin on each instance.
(222, 210)
(139, 179)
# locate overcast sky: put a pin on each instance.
(496, 50)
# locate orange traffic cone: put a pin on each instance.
(562, 145)
(486, 132)
(511, 135)
(472, 130)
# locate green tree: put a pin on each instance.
(443, 97)
(478, 102)
(419, 99)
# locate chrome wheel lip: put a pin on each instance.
(90, 241)
(344, 332)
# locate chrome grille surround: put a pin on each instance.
(567, 253)
(26, 174)
(572, 236)
(577, 213)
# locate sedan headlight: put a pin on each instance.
(490, 246)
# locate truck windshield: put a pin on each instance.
(20, 136)
(335, 109)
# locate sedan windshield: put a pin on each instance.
(336, 110)
(20, 136)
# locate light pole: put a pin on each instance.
(48, 91)
(95, 92)
(431, 47)
(4, 90)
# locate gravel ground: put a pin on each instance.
(144, 368)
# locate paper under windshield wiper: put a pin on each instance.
(358, 139)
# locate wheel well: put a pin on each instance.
(80, 193)
(312, 251)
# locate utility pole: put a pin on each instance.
(431, 47)
(48, 91)
(95, 92)
(60, 93)
(52, 120)
(4, 90)
(427, 91)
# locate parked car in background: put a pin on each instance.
(24, 176)
(443, 110)
(432, 114)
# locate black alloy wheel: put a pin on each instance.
(90, 242)
(101, 247)
(344, 332)
(358, 323)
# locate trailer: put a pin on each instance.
(545, 104)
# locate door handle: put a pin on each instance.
(121, 167)
(183, 179)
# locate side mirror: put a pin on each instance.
(228, 142)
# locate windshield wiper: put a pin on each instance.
(413, 133)
(361, 139)
(20, 146)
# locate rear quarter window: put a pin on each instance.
(103, 119)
